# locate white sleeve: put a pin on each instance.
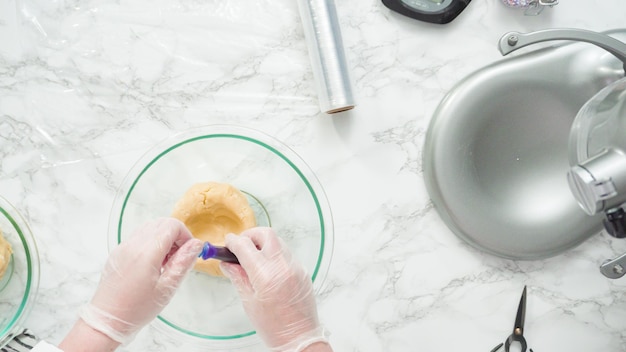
(43, 346)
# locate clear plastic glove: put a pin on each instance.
(140, 277)
(276, 292)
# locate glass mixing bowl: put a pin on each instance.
(282, 190)
(19, 285)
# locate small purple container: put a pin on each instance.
(210, 251)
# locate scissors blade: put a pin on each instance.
(518, 329)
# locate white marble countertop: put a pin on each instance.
(86, 87)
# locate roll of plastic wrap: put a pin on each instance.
(330, 69)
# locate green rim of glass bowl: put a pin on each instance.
(208, 135)
(32, 272)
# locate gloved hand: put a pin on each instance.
(140, 277)
(275, 290)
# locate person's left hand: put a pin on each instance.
(140, 277)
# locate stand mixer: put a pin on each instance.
(597, 145)
(597, 176)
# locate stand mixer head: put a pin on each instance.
(597, 177)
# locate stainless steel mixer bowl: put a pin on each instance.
(496, 152)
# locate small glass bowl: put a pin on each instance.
(282, 190)
(19, 285)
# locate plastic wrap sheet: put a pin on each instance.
(85, 79)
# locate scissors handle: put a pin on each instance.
(514, 337)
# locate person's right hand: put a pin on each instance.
(140, 277)
(275, 290)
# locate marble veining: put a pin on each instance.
(87, 87)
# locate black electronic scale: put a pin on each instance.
(433, 11)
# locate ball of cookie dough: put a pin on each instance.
(5, 255)
(211, 210)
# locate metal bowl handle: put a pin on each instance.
(512, 41)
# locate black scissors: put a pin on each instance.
(518, 328)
